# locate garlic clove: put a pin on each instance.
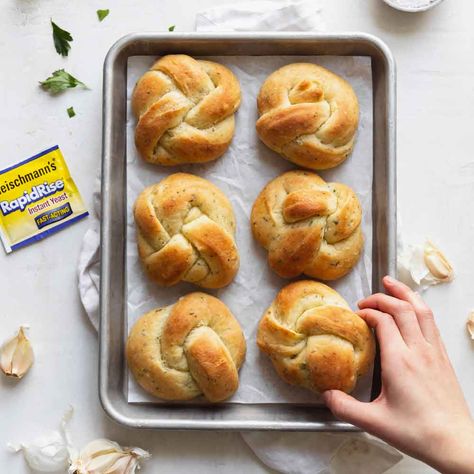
(470, 324)
(104, 462)
(104, 456)
(437, 263)
(97, 447)
(126, 465)
(16, 355)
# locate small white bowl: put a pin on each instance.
(423, 5)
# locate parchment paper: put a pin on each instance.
(241, 174)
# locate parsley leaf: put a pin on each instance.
(61, 39)
(71, 112)
(101, 14)
(171, 28)
(60, 81)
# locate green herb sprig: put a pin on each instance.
(61, 39)
(59, 81)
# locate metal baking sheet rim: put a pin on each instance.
(231, 417)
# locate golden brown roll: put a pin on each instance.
(192, 347)
(185, 231)
(185, 110)
(309, 115)
(314, 339)
(308, 226)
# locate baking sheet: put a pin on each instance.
(241, 174)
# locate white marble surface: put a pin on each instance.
(434, 53)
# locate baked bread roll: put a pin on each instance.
(308, 114)
(314, 339)
(185, 110)
(192, 347)
(185, 231)
(308, 226)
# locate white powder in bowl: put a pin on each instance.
(412, 5)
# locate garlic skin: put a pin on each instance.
(103, 456)
(470, 324)
(422, 266)
(50, 452)
(16, 355)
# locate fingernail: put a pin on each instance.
(389, 279)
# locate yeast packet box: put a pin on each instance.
(37, 198)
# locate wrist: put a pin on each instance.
(452, 450)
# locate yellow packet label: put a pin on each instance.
(37, 198)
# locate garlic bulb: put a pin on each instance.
(50, 452)
(103, 456)
(54, 452)
(16, 355)
(421, 266)
(470, 324)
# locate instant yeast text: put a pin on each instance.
(37, 198)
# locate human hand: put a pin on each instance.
(421, 409)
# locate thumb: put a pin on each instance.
(347, 408)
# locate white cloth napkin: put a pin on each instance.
(88, 269)
(316, 453)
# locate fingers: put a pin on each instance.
(386, 330)
(401, 311)
(347, 408)
(423, 313)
